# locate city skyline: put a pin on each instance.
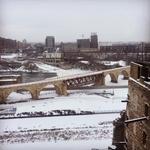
(69, 20)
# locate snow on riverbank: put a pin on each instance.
(60, 145)
(111, 63)
(75, 131)
(56, 122)
(9, 56)
(59, 71)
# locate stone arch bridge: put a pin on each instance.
(61, 84)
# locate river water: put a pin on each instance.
(31, 76)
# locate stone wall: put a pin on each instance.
(137, 107)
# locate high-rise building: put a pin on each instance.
(83, 43)
(24, 42)
(69, 47)
(94, 41)
(50, 43)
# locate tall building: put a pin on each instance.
(69, 47)
(50, 43)
(94, 41)
(24, 42)
(83, 43)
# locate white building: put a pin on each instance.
(53, 57)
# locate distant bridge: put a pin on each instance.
(61, 84)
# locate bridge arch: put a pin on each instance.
(113, 77)
(46, 87)
(34, 92)
(8, 93)
(125, 74)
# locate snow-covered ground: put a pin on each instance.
(53, 69)
(94, 100)
(79, 130)
(59, 71)
(64, 132)
(12, 56)
(65, 122)
(60, 145)
(110, 63)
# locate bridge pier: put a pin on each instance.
(61, 88)
(19, 79)
(100, 79)
(114, 78)
(35, 94)
(125, 75)
(2, 98)
(3, 95)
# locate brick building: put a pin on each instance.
(137, 129)
(9, 45)
(126, 51)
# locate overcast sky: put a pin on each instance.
(67, 20)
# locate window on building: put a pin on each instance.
(146, 113)
(144, 137)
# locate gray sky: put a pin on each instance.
(67, 20)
